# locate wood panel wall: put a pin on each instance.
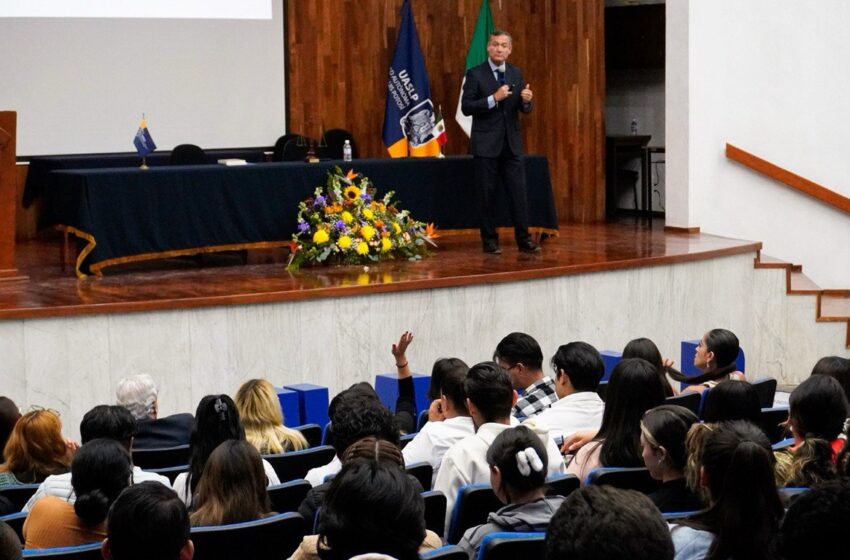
(338, 53)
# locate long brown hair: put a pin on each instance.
(35, 448)
(232, 488)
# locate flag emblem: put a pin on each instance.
(143, 141)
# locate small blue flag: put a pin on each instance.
(143, 141)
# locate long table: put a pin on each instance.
(126, 215)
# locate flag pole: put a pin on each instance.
(144, 165)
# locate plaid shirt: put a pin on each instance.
(539, 396)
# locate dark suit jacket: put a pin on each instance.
(489, 126)
(170, 431)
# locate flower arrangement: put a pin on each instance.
(344, 223)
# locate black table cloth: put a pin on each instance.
(128, 215)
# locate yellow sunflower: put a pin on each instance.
(320, 237)
(351, 193)
(344, 242)
(347, 217)
(367, 232)
(362, 248)
(368, 214)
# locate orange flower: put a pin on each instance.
(385, 234)
(431, 231)
(351, 175)
(293, 247)
(379, 224)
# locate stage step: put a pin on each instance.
(832, 305)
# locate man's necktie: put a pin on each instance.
(501, 76)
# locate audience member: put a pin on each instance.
(662, 439)
(489, 399)
(634, 388)
(646, 349)
(520, 355)
(732, 400)
(371, 507)
(103, 421)
(818, 409)
(743, 517)
(216, 421)
(139, 394)
(148, 521)
(233, 486)
(259, 409)
(9, 414)
(578, 370)
(35, 449)
(517, 460)
(355, 414)
(10, 544)
(370, 447)
(436, 437)
(814, 525)
(606, 523)
(101, 469)
(716, 357)
(837, 368)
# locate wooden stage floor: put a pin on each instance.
(225, 280)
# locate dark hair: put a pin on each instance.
(732, 400)
(489, 388)
(634, 388)
(582, 363)
(606, 523)
(725, 346)
(101, 469)
(148, 520)
(233, 486)
(646, 349)
(815, 522)
(501, 33)
(504, 454)
(519, 348)
(745, 506)
(216, 421)
(451, 385)
(836, 367)
(667, 426)
(443, 368)
(10, 544)
(9, 415)
(361, 389)
(357, 417)
(108, 421)
(371, 507)
(375, 449)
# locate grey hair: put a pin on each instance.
(501, 33)
(137, 393)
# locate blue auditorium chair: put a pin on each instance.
(637, 478)
(295, 464)
(170, 472)
(276, 536)
(83, 552)
(312, 433)
(766, 390)
(773, 423)
(289, 495)
(18, 494)
(512, 546)
(435, 511)
(423, 472)
(160, 458)
(447, 552)
(562, 485)
(16, 522)
(690, 400)
(474, 503)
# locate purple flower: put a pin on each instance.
(303, 226)
(320, 201)
(339, 225)
(365, 196)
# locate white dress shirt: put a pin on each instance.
(573, 413)
(434, 440)
(317, 476)
(182, 490)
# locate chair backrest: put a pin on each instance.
(147, 459)
(447, 552)
(772, 421)
(423, 472)
(312, 433)
(790, 493)
(295, 464)
(187, 154)
(562, 485)
(276, 536)
(170, 472)
(689, 400)
(474, 502)
(673, 515)
(602, 390)
(405, 439)
(277, 153)
(296, 148)
(16, 522)
(83, 552)
(766, 390)
(628, 479)
(435, 511)
(289, 495)
(18, 494)
(335, 139)
(510, 546)
(422, 420)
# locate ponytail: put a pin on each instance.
(810, 464)
(521, 458)
(712, 375)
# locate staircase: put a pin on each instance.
(832, 305)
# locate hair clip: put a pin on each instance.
(528, 460)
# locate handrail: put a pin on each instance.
(796, 182)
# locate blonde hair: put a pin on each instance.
(35, 448)
(262, 418)
(695, 445)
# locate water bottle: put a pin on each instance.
(346, 151)
(633, 127)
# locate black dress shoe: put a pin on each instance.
(529, 247)
(492, 248)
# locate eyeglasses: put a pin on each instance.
(37, 408)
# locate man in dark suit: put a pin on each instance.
(493, 93)
(139, 394)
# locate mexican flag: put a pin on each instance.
(476, 55)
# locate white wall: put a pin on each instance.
(770, 77)
(82, 84)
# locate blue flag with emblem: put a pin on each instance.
(143, 141)
(409, 126)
